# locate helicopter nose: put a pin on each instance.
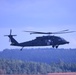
(67, 42)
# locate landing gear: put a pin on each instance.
(55, 46)
(21, 49)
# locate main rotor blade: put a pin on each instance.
(35, 32)
(59, 32)
(64, 32)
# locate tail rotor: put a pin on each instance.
(10, 35)
(10, 31)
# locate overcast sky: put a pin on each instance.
(37, 15)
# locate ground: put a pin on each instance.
(70, 73)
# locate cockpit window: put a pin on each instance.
(61, 39)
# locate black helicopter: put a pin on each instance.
(49, 40)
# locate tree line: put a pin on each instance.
(20, 67)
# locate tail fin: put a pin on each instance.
(13, 41)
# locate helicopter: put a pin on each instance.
(49, 40)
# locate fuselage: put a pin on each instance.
(53, 41)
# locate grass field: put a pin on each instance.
(70, 73)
